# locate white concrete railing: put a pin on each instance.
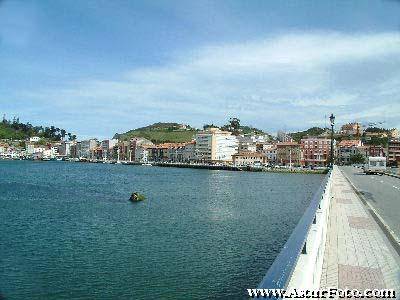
(308, 270)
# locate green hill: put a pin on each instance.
(15, 130)
(314, 131)
(161, 133)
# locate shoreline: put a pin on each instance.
(201, 166)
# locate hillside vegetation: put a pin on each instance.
(161, 133)
(15, 130)
(314, 131)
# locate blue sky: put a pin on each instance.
(100, 67)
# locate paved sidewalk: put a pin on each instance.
(357, 255)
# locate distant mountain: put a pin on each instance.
(161, 133)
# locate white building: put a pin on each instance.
(34, 139)
(247, 143)
(216, 145)
(39, 149)
(30, 148)
(141, 154)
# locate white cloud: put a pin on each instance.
(290, 81)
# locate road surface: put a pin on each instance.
(382, 192)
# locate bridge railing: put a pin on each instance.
(280, 273)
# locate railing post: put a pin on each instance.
(304, 250)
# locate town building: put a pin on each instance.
(64, 148)
(189, 151)
(270, 152)
(30, 148)
(352, 129)
(34, 139)
(283, 137)
(124, 150)
(377, 151)
(346, 149)
(142, 154)
(216, 145)
(370, 135)
(136, 142)
(85, 148)
(288, 154)
(97, 153)
(394, 133)
(159, 153)
(107, 148)
(394, 152)
(175, 152)
(249, 159)
(316, 151)
(246, 144)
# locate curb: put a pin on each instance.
(392, 237)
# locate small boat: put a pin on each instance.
(147, 164)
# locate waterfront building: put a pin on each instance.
(3, 148)
(270, 152)
(394, 152)
(142, 154)
(30, 148)
(247, 144)
(159, 153)
(346, 149)
(189, 151)
(175, 152)
(352, 129)
(137, 142)
(107, 147)
(64, 149)
(249, 159)
(74, 149)
(214, 144)
(288, 153)
(315, 151)
(124, 150)
(39, 149)
(85, 148)
(97, 153)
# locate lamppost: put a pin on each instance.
(332, 119)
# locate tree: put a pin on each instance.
(234, 124)
(63, 132)
(206, 126)
(357, 158)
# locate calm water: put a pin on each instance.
(67, 230)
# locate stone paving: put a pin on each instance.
(357, 255)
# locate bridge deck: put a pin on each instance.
(357, 255)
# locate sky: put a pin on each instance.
(100, 67)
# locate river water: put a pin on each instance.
(68, 231)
